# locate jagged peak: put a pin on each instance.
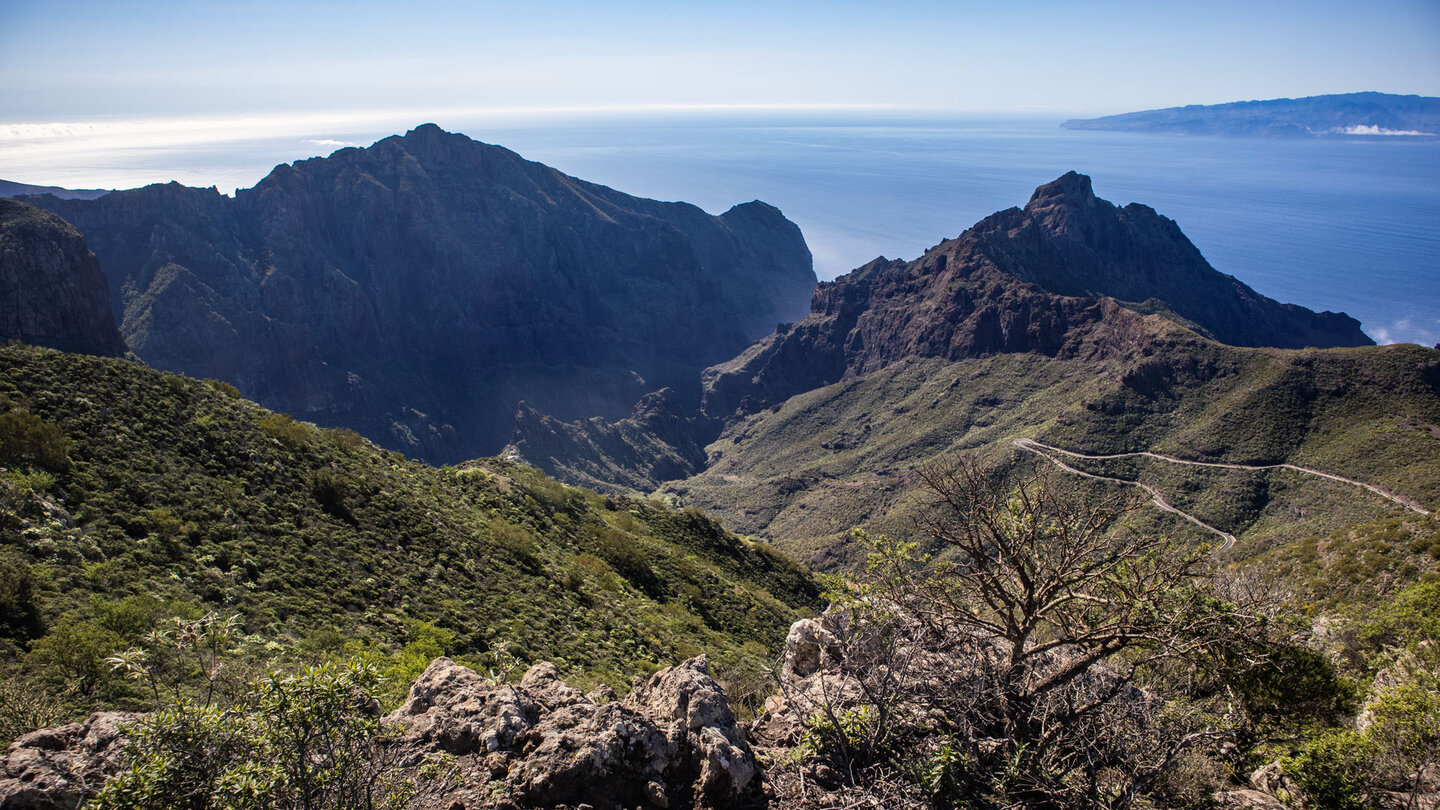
(1070, 189)
(426, 130)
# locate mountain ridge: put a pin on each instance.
(417, 289)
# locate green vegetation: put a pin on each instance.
(160, 496)
(306, 741)
(805, 471)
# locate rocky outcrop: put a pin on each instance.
(52, 290)
(672, 743)
(61, 767)
(418, 289)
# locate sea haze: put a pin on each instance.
(1328, 224)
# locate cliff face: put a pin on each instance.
(52, 290)
(1039, 279)
(418, 289)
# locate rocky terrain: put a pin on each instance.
(1339, 115)
(418, 289)
(52, 290)
(673, 742)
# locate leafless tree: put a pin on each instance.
(1016, 649)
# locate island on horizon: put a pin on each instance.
(1346, 115)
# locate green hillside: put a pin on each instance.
(128, 494)
(805, 472)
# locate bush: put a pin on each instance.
(1025, 663)
(332, 491)
(71, 656)
(26, 438)
(313, 740)
(19, 611)
(283, 426)
(1333, 771)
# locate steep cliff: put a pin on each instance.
(416, 290)
(52, 290)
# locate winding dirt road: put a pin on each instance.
(1045, 451)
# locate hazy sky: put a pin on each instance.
(67, 61)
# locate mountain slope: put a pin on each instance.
(179, 491)
(418, 289)
(807, 470)
(1340, 115)
(52, 290)
(1022, 280)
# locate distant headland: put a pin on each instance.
(1346, 115)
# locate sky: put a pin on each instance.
(78, 60)
(100, 93)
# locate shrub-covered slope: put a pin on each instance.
(124, 482)
(807, 470)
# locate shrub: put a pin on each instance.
(71, 656)
(332, 491)
(25, 707)
(1334, 771)
(312, 740)
(26, 438)
(1010, 667)
(224, 389)
(19, 611)
(283, 426)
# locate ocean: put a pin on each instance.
(1343, 225)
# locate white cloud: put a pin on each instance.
(1373, 129)
(331, 142)
(1406, 330)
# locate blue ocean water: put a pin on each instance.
(1349, 225)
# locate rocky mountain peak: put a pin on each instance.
(1068, 206)
(1070, 189)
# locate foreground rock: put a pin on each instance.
(673, 742)
(62, 767)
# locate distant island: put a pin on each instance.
(9, 188)
(1346, 115)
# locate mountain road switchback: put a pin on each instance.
(1045, 451)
